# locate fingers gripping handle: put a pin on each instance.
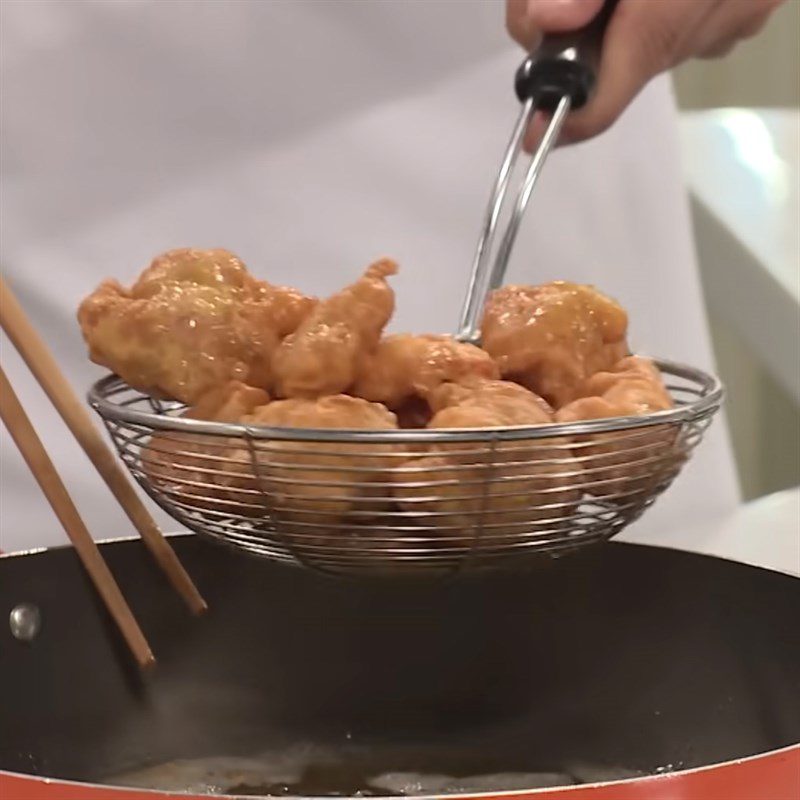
(564, 65)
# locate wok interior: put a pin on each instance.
(628, 659)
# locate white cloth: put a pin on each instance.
(311, 137)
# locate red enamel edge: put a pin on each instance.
(772, 776)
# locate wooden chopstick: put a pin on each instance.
(41, 363)
(32, 449)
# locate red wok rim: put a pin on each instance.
(776, 772)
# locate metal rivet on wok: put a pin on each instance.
(25, 621)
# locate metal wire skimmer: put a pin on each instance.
(406, 501)
(426, 500)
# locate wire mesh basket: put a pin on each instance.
(407, 501)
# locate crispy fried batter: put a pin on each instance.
(551, 338)
(214, 268)
(325, 354)
(317, 488)
(633, 386)
(193, 321)
(514, 404)
(468, 490)
(204, 471)
(405, 367)
(623, 463)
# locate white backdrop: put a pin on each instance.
(310, 138)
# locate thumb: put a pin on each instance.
(558, 16)
(527, 20)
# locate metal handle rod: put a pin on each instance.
(478, 283)
(488, 274)
(534, 170)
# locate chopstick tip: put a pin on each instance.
(147, 661)
(199, 607)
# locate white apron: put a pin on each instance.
(310, 138)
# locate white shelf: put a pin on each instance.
(742, 169)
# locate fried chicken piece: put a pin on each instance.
(179, 342)
(515, 404)
(622, 465)
(215, 268)
(301, 485)
(632, 387)
(228, 403)
(551, 338)
(405, 368)
(490, 495)
(319, 492)
(194, 320)
(325, 354)
(285, 307)
(203, 471)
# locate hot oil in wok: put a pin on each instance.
(381, 771)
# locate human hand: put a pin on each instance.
(643, 38)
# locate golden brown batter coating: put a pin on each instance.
(193, 321)
(513, 403)
(404, 367)
(215, 268)
(325, 355)
(317, 488)
(204, 471)
(551, 338)
(620, 463)
(468, 490)
(334, 411)
(632, 387)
